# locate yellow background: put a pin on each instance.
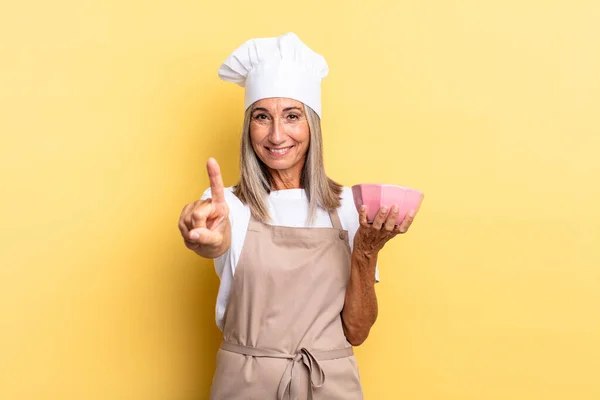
(109, 110)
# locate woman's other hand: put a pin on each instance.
(370, 238)
(204, 224)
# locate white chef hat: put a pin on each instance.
(277, 67)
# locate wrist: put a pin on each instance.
(364, 266)
(364, 249)
(365, 253)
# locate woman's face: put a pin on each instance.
(279, 133)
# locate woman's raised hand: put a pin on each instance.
(204, 224)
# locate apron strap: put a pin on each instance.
(254, 224)
(335, 219)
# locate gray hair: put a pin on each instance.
(255, 181)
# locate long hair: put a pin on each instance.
(255, 181)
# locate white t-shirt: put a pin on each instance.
(286, 208)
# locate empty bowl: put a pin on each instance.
(375, 196)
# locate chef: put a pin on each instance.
(297, 262)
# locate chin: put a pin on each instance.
(279, 165)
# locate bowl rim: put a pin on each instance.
(387, 185)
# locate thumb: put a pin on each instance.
(204, 236)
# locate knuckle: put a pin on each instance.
(197, 213)
(200, 203)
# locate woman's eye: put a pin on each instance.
(292, 116)
(260, 116)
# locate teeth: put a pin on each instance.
(279, 151)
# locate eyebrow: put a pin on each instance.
(292, 108)
(260, 109)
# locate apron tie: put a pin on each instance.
(289, 383)
(288, 386)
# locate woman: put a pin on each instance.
(297, 262)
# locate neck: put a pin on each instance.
(286, 179)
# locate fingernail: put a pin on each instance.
(194, 235)
(412, 213)
(384, 209)
(395, 208)
(363, 207)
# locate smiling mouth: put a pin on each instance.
(281, 151)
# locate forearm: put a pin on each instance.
(360, 307)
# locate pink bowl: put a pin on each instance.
(375, 196)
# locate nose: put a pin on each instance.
(277, 134)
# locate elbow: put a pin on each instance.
(357, 327)
(356, 341)
(356, 335)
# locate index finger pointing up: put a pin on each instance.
(216, 181)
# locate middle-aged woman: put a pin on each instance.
(297, 262)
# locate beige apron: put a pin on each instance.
(282, 334)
